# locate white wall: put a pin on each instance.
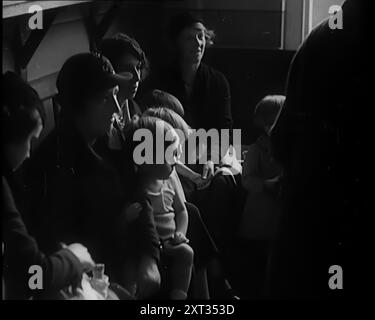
(293, 24)
(320, 10)
(66, 37)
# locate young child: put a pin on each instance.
(190, 178)
(159, 184)
(261, 176)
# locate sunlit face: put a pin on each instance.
(129, 64)
(192, 43)
(18, 152)
(100, 110)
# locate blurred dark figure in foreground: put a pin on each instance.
(317, 139)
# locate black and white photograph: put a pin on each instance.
(198, 150)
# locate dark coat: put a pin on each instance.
(81, 199)
(318, 140)
(21, 251)
(209, 105)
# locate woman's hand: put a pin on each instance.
(208, 170)
(82, 255)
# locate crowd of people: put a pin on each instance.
(167, 230)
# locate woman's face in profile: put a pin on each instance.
(192, 43)
(129, 64)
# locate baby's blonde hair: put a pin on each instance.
(270, 108)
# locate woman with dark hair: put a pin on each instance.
(205, 95)
(21, 122)
(130, 63)
(127, 57)
(203, 91)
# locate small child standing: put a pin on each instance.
(261, 176)
(160, 185)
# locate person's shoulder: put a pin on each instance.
(211, 71)
(317, 40)
(44, 153)
(215, 75)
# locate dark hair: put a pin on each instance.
(160, 99)
(186, 19)
(121, 44)
(21, 109)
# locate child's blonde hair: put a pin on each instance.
(269, 108)
(152, 124)
(171, 117)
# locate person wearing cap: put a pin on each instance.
(21, 123)
(76, 186)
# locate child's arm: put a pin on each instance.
(250, 173)
(181, 215)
